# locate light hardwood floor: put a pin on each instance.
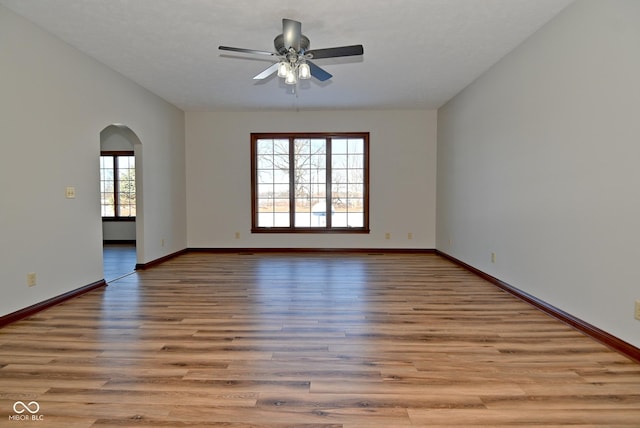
(119, 260)
(309, 340)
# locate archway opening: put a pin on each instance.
(120, 200)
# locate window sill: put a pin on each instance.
(346, 230)
(118, 219)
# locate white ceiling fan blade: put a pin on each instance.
(268, 72)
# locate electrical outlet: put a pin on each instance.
(31, 279)
(237, 235)
(387, 235)
(493, 257)
(162, 242)
(409, 235)
(638, 309)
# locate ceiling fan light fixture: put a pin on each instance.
(291, 78)
(283, 69)
(304, 72)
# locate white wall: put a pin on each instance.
(118, 231)
(402, 177)
(538, 161)
(54, 102)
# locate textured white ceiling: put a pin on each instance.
(417, 53)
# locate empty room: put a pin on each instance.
(319, 214)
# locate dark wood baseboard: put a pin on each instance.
(147, 265)
(314, 250)
(30, 310)
(592, 331)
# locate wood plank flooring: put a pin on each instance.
(119, 260)
(309, 340)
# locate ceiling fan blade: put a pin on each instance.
(292, 32)
(268, 72)
(335, 52)
(251, 51)
(319, 73)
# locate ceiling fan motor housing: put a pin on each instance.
(278, 43)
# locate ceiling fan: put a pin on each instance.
(294, 56)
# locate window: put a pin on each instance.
(118, 185)
(312, 183)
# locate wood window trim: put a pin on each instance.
(116, 217)
(310, 230)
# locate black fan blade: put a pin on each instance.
(335, 52)
(319, 73)
(251, 51)
(268, 72)
(291, 31)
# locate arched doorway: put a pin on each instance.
(120, 200)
